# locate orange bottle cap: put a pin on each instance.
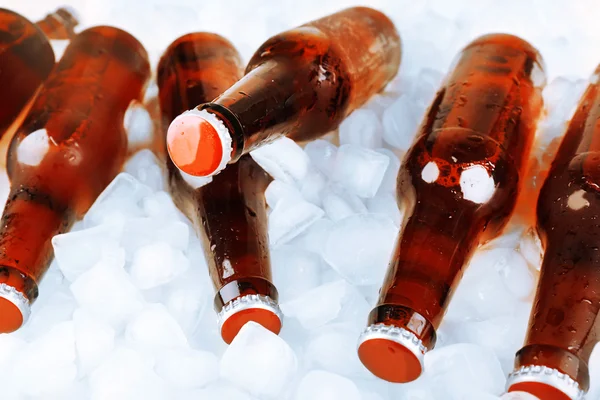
(14, 309)
(544, 383)
(257, 308)
(198, 143)
(391, 353)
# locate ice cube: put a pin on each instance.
(160, 205)
(49, 361)
(474, 395)
(156, 264)
(594, 366)
(125, 375)
(142, 232)
(57, 307)
(385, 204)
(359, 247)
(313, 238)
(359, 170)
(283, 159)
(153, 327)
(144, 166)
(388, 183)
(333, 348)
(461, 368)
(323, 385)
(335, 301)
(313, 185)
(94, 339)
(339, 204)
(322, 155)
(259, 361)
(120, 200)
(290, 218)
(295, 271)
(400, 121)
(379, 102)
(425, 86)
(421, 389)
(138, 125)
(514, 271)
(278, 190)
(220, 391)
(107, 291)
(531, 248)
(76, 252)
(187, 368)
(187, 297)
(10, 347)
(361, 128)
(524, 396)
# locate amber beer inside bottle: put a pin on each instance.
(230, 212)
(564, 326)
(301, 83)
(458, 185)
(26, 58)
(70, 146)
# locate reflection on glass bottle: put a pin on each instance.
(301, 83)
(458, 184)
(70, 146)
(564, 325)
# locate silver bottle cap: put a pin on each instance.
(546, 376)
(251, 301)
(402, 336)
(11, 294)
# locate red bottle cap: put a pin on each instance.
(391, 353)
(545, 383)
(257, 308)
(14, 309)
(198, 143)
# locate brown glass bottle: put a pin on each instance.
(230, 212)
(564, 326)
(458, 184)
(301, 83)
(26, 59)
(70, 146)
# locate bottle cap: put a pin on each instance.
(544, 382)
(14, 308)
(391, 353)
(199, 144)
(258, 308)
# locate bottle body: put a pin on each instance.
(563, 326)
(302, 83)
(26, 59)
(458, 184)
(229, 213)
(71, 144)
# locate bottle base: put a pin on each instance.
(257, 308)
(544, 383)
(14, 309)
(391, 353)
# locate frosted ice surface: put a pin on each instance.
(530, 247)
(125, 375)
(57, 306)
(221, 390)
(313, 186)
(153, 327)
(513, 269)
(400, 121)
(379, 102)
(385, 204)
(339, 203)
(10, 347)
(78, 251)
(120, 200)
(141, 232)
(425, 86)
(323, 385)
(594, 367)
(160, 205)
(138, 125)
(290, 218)
(278, 190)
(144, 166)
(333, 348)
(283, 159)
(461, 368)
(478, 396)
(187, 368)
(94, 339)
(259, 361)
(421, 389)
(362, 128)
(388, 183)
(359, 170)
(334, 301)
(359, 247)
(156, 264)
(525, 396)
(322, 155)
(187, 297)
(295, 271)
(107, 290)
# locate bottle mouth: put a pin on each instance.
(392, 353)
(198, 143)
(257, 308)
(15, 308)
(544, 383)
